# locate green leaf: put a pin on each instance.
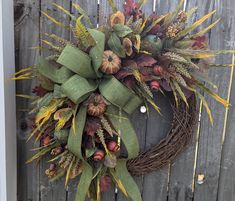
(181, 93)
(122, 30)
(82, 34)
(115, 45)
(96, 52)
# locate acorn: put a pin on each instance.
(46, 140)
(113, 146)
(157, 70)
(154, 85)
(96, 105)
(111, 63)
(98, 155)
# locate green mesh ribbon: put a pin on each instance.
(77, 79)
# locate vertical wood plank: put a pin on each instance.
(26, 36)
(155, 183)
(53, 191)
(227, 174)
(181, 180)
(210, 141)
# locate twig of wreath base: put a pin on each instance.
(179, 136)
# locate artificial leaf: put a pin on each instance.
(55, 21)
(83, 34)
(122, 30)
(116, 46)
(61, 8)
(202, 32)
(62, 116)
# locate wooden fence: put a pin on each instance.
(205, 172)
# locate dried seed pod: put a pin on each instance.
(51, 171)
(76, 169)
(127, 44)
(157, 70)
(46, 140)
(99, 155)
(182, 16)
(113, 146)
(117, 18)
(171, 32)
(96, 106)
(154, 85)
(111, 63)
(67, 161)
(56, 151)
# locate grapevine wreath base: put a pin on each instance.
(88, 88)
(179, 136)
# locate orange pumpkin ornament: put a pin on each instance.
(111, 63)
(96, 106)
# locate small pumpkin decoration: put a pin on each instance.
(96, 105)
(111, 63)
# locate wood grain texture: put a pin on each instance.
(181, 179)
(26, 20)
(209, 150)
(155, 183)
(226, 191)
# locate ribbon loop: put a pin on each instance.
(57, 75)
(77, 61)
(78, 88)
(119, 95)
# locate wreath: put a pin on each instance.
(89, 86)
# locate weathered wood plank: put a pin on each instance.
(227, 174)
(209, 150)
(181, 179)
(26, 27)
(54, 191)
(227, 170)
(155, 183)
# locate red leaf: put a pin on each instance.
(105, 183)
(200, 42)
(145, 60)
(39, 91)
(92, 125)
